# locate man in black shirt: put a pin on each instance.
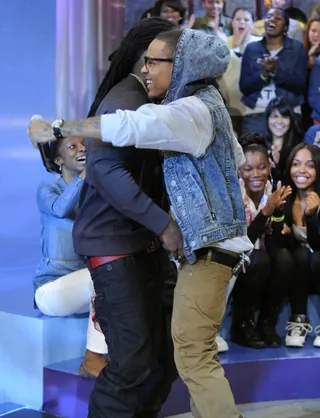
(123, 211)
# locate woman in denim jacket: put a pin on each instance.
(62, 284)
(275, 66)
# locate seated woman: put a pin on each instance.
(242, 22)
(302, 216)
(283, 134)
(265, 284)
(312, 45)
(296, 26)
(314, 91)
(170, 9)
(273, 67)
(312, 41)
(63, 285)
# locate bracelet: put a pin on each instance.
(264, 78)
(277, 219)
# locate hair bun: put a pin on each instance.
(252, 138)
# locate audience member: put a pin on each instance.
(214, 21)
(171, 10)
(312, 45)
(63, 285)
(265, 284)
(295, 28)
(273, 67)
(242, 22)
(302, 216)
(282, 135)
(314, 92)
(315, 12)
(312, 136)
(312, 41)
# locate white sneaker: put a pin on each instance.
(222, 344)
(297, 330)
(316, 341)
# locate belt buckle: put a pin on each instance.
(152, 248)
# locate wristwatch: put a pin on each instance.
(56, 126)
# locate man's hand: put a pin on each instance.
(40, 131)
(312, 203)
(172, 239)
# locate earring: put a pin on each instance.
(60, 168)
(271, 180)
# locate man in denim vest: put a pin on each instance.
(201, 154)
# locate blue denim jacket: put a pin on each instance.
(57, 203)
(290, 78)
(314, 90)
(204, 193)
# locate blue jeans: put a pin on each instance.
(134, 297)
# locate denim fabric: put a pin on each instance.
(57, 203)
(310, 135)
(290, 78)
(204, 193)
(314, 90)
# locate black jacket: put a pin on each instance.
(122, 205)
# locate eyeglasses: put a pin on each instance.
(149, 60)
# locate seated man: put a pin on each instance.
(200, 166)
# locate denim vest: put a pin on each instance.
(204, 192)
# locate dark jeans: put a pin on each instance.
(134, 297)
(306, 279)
(266, 281)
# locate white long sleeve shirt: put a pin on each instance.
(184, 125)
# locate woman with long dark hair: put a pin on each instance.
(283, 134)
(62, 284)
(302, 216)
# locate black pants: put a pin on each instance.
(306, 279)
(266, 281)
(133, 304)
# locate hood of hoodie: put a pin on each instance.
(198, 57)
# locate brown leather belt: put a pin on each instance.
(95, 262)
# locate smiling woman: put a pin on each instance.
(62, 284)
(282, 134)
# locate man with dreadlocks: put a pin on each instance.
(122, 213)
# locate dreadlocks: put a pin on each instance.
(129, 52)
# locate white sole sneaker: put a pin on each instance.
(222, 344)
(316, 342)
(295, 341)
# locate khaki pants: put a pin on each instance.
(199, 306)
